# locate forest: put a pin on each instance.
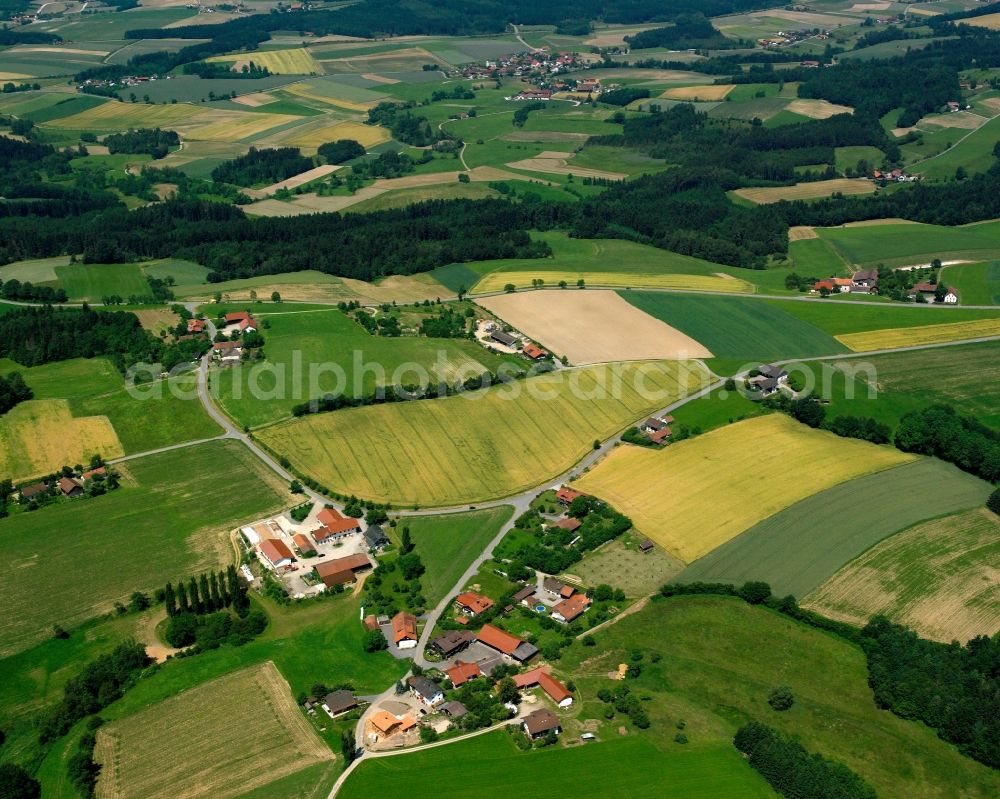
(337, 152)
(262, 166)
(13, 390)
(405, 126)
(153, 141)
(689, 31)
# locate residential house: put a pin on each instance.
(765, 385)
(384, 724)
(70, 487)
(339, 702)
(334, 526)
(773, 372)
(343, 571)
(655, 424)
(404, 630)
(533, 352)
(275, 553)
(228, 352)
(660, 437)
(196, 326)
(540, 723)
(240, 320)
(426, 690)
(540, 676)
(502, 337)
(526, 596)
(87, 476)
(535, 94)
(555, 588)
(452, 642)
(454, 710)
(506, 644)
(929, 292)
(461, 673)
(376, 539)
(472, 604)
(566, 495)
(33, 490)
(570, 609)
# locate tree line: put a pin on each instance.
(153, 141)
(14, 289)
(13, 390)
(207, 594)
(262, 166)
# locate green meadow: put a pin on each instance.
(908, 244)
(974, 153)
(799, 548)
(838, 318)
(91, 282)
(977, 284)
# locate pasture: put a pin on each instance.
(938, 578)
(452, 450)
(800, 547)
(676, 496)
(721, 657)
(619, 563)
(143, 757)
(735, 327)
(315, 352)
(447, 544)
(817, 109)
(913, 243)
(977, 284)
(592, 326)
(167, 520)
(91, 282)
(490, 767)
(807, 191)
(917, 336)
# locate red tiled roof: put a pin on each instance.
(351, 563)
(196, 325)
(498, 639)
(275, 550)
(461, 673)
(573, 607)
(569, 523)
(247, 323)
(88, 475)
(533, 352)
(566, 494)
(237, 317)
(302, 542)
(404, 627)
(335, 523)
(555, 689)
(473, 602)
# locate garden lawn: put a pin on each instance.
(336, 355)
(699, 493)
(486, 444)
(734, 327)
(800, 547)
(491, 767)
(447, 544)
(169, 524)
(936, 578)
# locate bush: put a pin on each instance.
(781, 698)
(181, 630)
(16, 783)
(374, 641)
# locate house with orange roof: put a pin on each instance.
(510, 646)
(334, 525)
(275, 553)
(472, 604)
(404, 630)
(570, 609)
(533, 352)
(566, 495)
(461, 673)
(541, 678)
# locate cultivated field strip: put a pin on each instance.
(940, 578)
(220, 739)
(697, 494)
(496, 281)
(798, 548)
(917, 336)
(476, 446)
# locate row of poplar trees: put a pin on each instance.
(207, 594)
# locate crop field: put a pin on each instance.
(592, 326)
(97, 551)
(839, 318)
(41, 435)
(449, 543)
(497, 280)
(734, 327)
(91, 282)
(977, 284)
(402, 60)
(143, 757)
(347, 359)
(815, 256)
(490, 767)
(114, 116)
(938, 578)
(719, 658)
(817, 109)
(42, 270)
(296, 61)
(453, 450)
(916, 336)
(331, 91)
(991, 21)
(710, 93)
(667, 492)
(807, 191)
(366, 135)
(910, 244)
(800, 547)
(234, 126)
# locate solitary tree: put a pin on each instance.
(275, 297)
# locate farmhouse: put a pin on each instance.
(833, 285)
(376, 539)
(524, 597)
(241, 321)
(570, 609)
(426, 691)
(275, 553)
(451, 642)
(70, 487)
(339, 702)
(656, 423)
(506, 644)
(929, 292)
(540, 676)
(534, 94)
(33, 490)
(502, 337)
(87, 476)
(343, 571)
(865, 280)
(555, 588)
(303, 543)
(472, 604)
(404, 630)
(196, 326)
(535, 353)
(384, 724)
(765, 385)
(454, 710)
(461, 673)
(773, 372)
(228, 351)
(334, 526)
(540, 723)
(566, 495)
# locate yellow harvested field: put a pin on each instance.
(117, 116)
(379, 78)
(233, 126)
(806, 191)
(255, 99)
(39, 436)
(699, 493)
(496, 281)
(410, 58)
(917, 336)
(990, 21)
(295, 61)
(963, 120)
(556, 162)
(592, 326)
(365, 135)
(245, 717)
(801, 232)
(293, 182)
(482, 445)
(708, 93)
(817, 109)
(14, 76)
(940, 578)
(306, 91)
